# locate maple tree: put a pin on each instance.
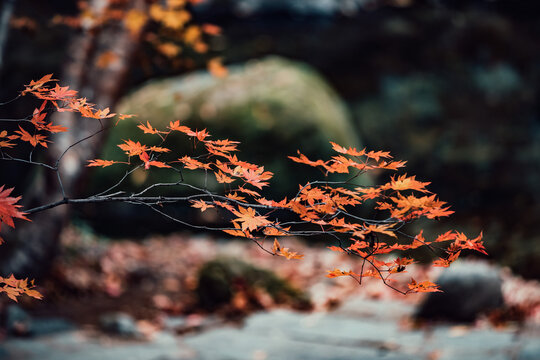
(320, 207)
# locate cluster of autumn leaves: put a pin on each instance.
(321, 207)
(166, 26)
(9, 210)
(36, 130)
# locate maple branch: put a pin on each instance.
(127, 173)
(321, 207)
(10, 101)
(10, 158)
(71, 146)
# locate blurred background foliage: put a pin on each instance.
(450, 86)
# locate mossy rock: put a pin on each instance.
(220, 279)
(273, 106)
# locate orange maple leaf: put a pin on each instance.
(6, 143)
(158, 149)
(132, 148)
(35, 85)
(236, 197)
(222, 178)
(192, 164)
(281, 251)
(382, 229)
(237, 230)
(256, 177)
(302, 159)
(175, 126)
(248, 191)
(61, 93)
(54, 128)
(442, 262)
(32, 139)
(407, 183)
(378, 154)
(148, 129)
(349, 151)
(99, 162)
(336, 273)
(201, 204)
(424, 286)
(147, 162)
(249, 219)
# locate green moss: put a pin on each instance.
(220, 279)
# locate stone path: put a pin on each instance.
(360, 329)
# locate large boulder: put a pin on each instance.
(469, 289)
(223, 280)
(273, 106)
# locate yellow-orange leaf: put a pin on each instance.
(32, 139)
(148, 129)
(349, 151)
(407, 183)
(424, 286)
(280, 251)
(378, 154)
(236, 197)
(192, 164)
(99, 162)
(249, 219)
(200, 204)
(158, 149)
(35, 85)
(132, 148)
(222, 178)
(236, 231)
(336, 273)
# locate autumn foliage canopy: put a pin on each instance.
(319, 208)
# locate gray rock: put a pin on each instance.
(77, 345)
(530, 351)
(283, 335)
(469, 289)
(48, 326)
(374, 309)
(119, 324)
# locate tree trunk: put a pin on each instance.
(5, 16)
(31, 247)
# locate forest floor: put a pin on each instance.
(153, 282)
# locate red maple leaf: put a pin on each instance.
(9, 208)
